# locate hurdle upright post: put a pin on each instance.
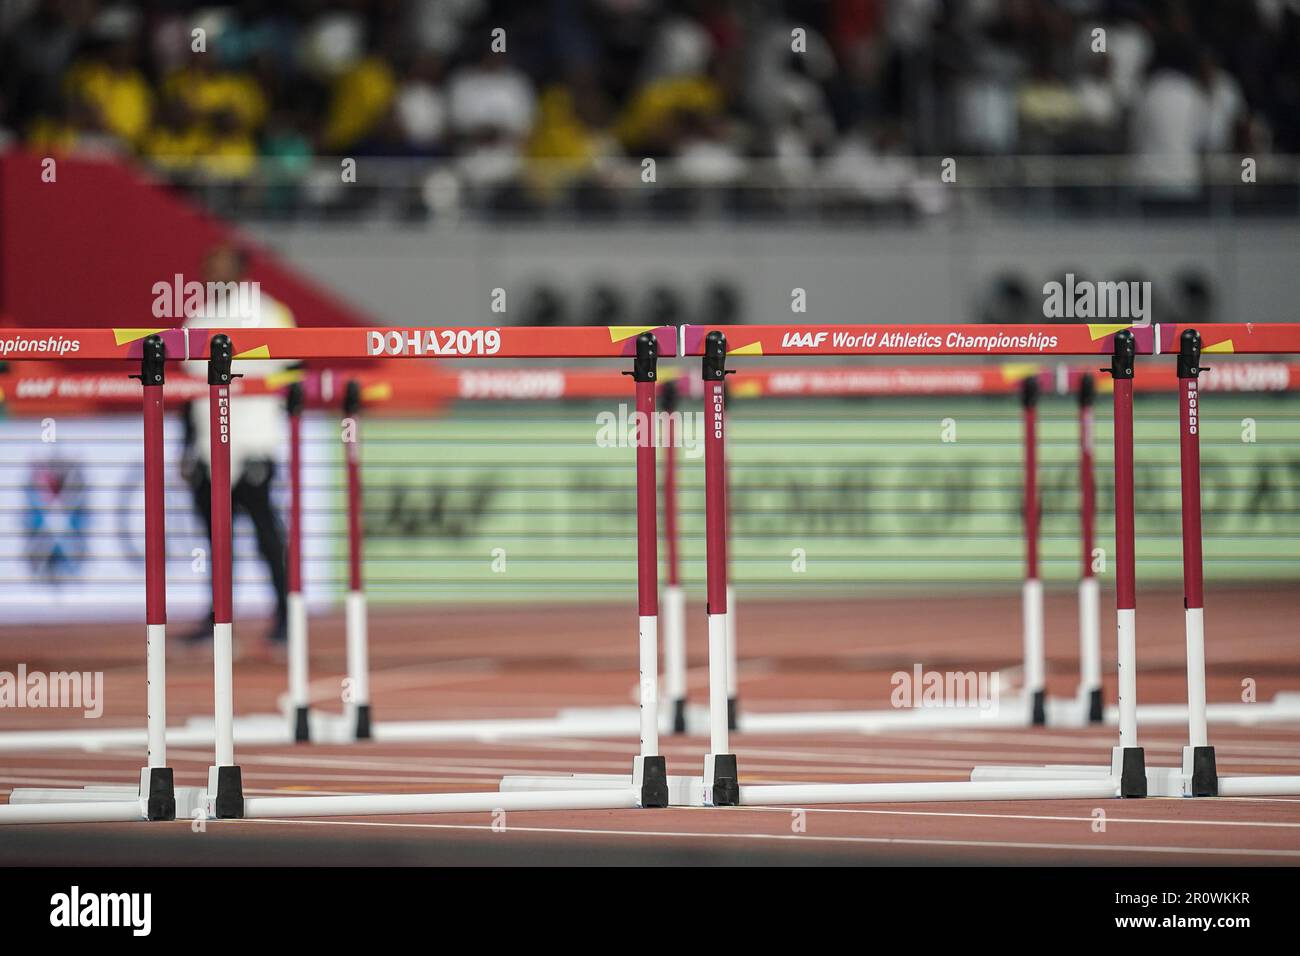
(1199, 772)
(298, 664)
(225, 782)
(721, 775)
(157, 783)
(358, 652)
(1128, 761)
(649, 769)
(674, 598)
(1032, 591)
(1090, 696)
(733, 654)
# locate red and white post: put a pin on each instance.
(733, 659)
(721, 777)
(1032, 591)
(1090, 697)
(358, 649)
(1128, 761)
(157, 783)
(649, 769)
(298, 658)
(1200, 777)
(674, 597)
(225, 783)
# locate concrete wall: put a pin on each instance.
(931, 273)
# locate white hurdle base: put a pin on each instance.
(276, 730)
(1012, 711)
(1161, 781)
(689, 791)
(610, 798)
(1283, 708)
(682, 791)
(273, 729)
(198, 731)
(574, 722)
(93, 804)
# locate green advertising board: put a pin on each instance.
(510, 502)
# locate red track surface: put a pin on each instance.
(795, 655)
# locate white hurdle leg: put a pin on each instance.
(223, 691)
(1090, 697)
(358, 662)
(719, 737)
(1032, 618)
(298, 693)
(648, 653)
(732, 660)
(674, 601)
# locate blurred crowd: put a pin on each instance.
(536, 97)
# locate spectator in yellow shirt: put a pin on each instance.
(207, 91)
(117, 89)
(361, 99)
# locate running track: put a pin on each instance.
(468, 662)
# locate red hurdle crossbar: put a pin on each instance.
(454, 342)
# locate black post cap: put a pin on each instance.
(1029, 390)
(220, 353)
(1087, 390)
(715, 357)
(1189, 354)
(1125, 356)
(153, 361)
(645, 365)
(352, 397)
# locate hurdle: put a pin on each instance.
(1126, 776)
(224, 797)
(1033, 707)
(298, 722)
(648, 785)
(1197, 776)
(1087, 707)
(611, 722)
(157, 796)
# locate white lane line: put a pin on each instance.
(798, 837)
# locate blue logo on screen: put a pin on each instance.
(56, 520)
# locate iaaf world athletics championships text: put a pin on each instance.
(963, 341)
(51, 345)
